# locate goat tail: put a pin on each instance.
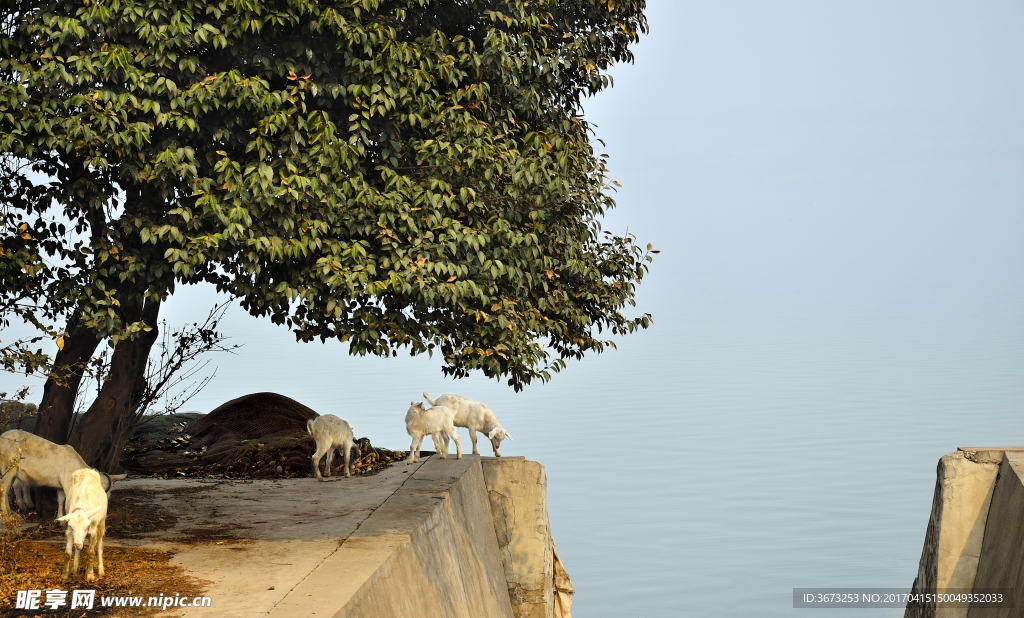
(427, 397)
(309, 426)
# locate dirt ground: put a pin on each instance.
(160, 532)
(39, 558)
(129, 571)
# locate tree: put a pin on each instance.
(404, 174)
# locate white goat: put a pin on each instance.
(475, 417)
(437, 422)
(26, 460)
(87, 506)
(331, 432)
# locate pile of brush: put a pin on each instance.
(257, 436)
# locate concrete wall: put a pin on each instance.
(1002, 554)
(958, 527)
(517, 490)
(459, 538)
(429, 551)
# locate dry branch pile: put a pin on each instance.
(257, 436)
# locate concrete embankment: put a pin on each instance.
(444, 538)
(975, 535)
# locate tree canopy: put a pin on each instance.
(406, 174)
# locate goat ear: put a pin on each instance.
(65, 518)
(507, 434)
(93, 510)
(118, 477)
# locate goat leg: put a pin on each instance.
(458, 444)
(316, 463)
(101, 532)
(330, 460)
(68, 549)
(89, 552)
(348, 459)
(5, 487)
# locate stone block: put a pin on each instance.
(956, 530)
(517, 489)
(1002, 554)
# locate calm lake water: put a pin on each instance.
(724, 457)
(713, 463)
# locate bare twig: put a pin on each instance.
(178, 363)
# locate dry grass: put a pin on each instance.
(129, 572)
(35, 559)
(10, 534)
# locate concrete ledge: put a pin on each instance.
(517, 490)
(956, 529)
(988, 454)
(428, 551)
(413, 541)
(1002, 554)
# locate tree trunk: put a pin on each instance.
(100, 435)
(58, 405)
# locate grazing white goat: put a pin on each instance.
(331, 432)
(32, 461)
(87, 514)
(475, 417)
(437, 422)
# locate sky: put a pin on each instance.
(812, 154)
(808, 158)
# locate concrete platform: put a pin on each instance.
(1001, 565)
(414, 540)
(975, 532)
